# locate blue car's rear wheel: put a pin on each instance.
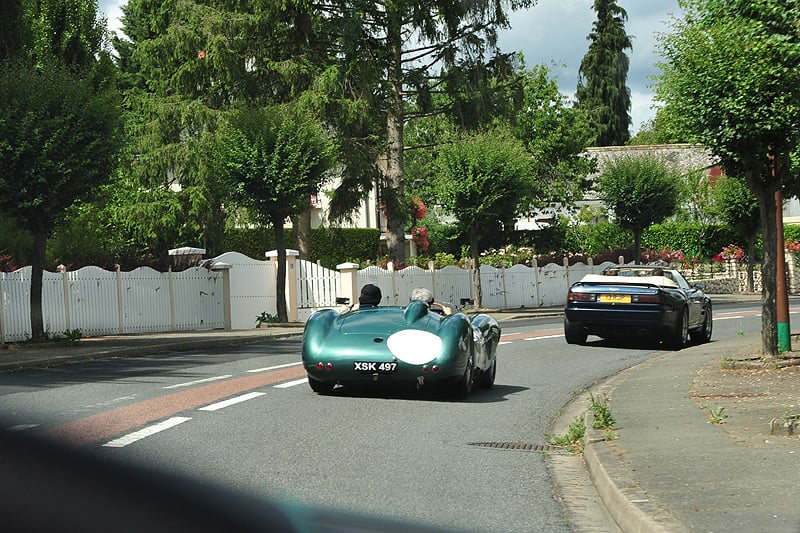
(680, 336)
(575, 334)
(704, 333)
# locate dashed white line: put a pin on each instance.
(543, 337)
(275, 367)
(291, 383)
(130, 438)
(198, 381)
(23, 427)
(232, 401)
(503, 342)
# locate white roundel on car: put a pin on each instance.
(414, 346)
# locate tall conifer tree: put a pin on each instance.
(603, 74)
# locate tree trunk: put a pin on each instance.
(395, 218)
(301, 234)
(637, 245)
(765, 194)
(37, 270)
(280, 246)
(477, 291)
(751, 252)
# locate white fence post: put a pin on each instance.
(65, 289)
(390, 268)
(171, 284)
(536, 284)
(349, 281)
(225, 268)
(120, 306)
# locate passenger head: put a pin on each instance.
(423, 295)
(370, 295)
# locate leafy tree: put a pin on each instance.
(481, 180)
(661, 129)
(68, 30)
(730, 77)
(603, 74)
(640, 191)
(12, 30)
(277, 157)
(734, 204)
(556, 135)
(185, 63)
(58, 141)
(388, 52)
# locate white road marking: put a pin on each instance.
(232, 401)
(727, 317)
(23, 427)
(291, 383)
(503, 342)
(146, 432)
(275, 367)
(543, 337)
(198, 381)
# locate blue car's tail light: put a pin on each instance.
(646, 298)
(324, 366)
(581, 297)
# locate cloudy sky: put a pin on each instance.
(553, 32)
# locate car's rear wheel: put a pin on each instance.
(320, 387)
(464, 385)
(680, 336)
(703, 334)
(487, 378)
(574, 334)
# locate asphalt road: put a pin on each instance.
(246, 419)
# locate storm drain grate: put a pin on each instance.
(527, 447)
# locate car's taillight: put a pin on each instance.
(324, 366)
(646, 298)
(581, 297)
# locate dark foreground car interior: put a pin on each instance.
(48, 487)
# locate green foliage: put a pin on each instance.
(556, 135)
(717, 414)
(603, 74)
(600, 406)
(56, 137)
(640, 191)
(596, 239)
(695, 239)
(266, 318)
(73, 335)
(572, 440)
(483, 180)
(329, 246)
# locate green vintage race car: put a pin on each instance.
(393, 344)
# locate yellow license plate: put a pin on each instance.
(616, 298)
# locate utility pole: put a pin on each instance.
(781, 294)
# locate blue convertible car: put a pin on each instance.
(628, 301)
(395, 344)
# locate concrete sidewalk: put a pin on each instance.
(668, 470)
(671, 469)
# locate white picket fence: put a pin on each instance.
(103, 302)
(233, 289)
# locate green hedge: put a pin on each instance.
(703, 241)
(329, 246)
